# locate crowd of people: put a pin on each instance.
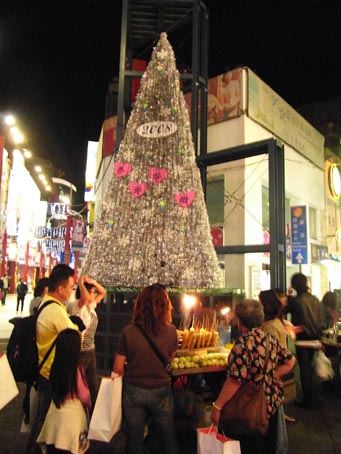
(67, 384)
(268, 318)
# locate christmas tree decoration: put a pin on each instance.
(152, 224)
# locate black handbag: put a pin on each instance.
(163, 360)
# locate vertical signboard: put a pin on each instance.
(299, 240)
(78, 230)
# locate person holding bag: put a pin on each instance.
(255, 366)
(147, 395)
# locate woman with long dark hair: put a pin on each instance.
(66, 424)
(147, 395)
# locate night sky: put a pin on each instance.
(57, 58)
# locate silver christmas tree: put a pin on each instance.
(153, 225)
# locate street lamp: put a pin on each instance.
(66, 183)
(9, 120)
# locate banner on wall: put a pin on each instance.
(77, 234)
(224, 97)
(267, 108)
(109, 136)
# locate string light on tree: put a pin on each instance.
(152, 225)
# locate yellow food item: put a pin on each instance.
(215, 337)
(185, 339)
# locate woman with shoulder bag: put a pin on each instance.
(145, 348)
(256, 360)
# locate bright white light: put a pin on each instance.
(9, 120)
(189, 301)
(48, 188)
(225, 310)
(12, 252)
(27, 153)
(37, 169)
(42, 177)
(17, 136)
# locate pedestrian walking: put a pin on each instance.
(4, 288)
(21, 293)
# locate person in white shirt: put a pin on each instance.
(39, 293)
(88, 294)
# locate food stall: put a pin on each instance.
(199, 366)
(201, 348)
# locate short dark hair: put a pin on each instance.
(299, 282)
(59, 275)
(250, 313)
(42, 283)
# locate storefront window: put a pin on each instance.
(246, 274)
(313, 223)
(215, 200)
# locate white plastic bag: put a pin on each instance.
(107, 415)
(8, 386)
(323, 366)
(211, 442)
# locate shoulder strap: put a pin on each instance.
(46, 303)
(267, 355)
(163, 360)
(47, 354)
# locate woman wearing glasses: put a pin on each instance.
(88, 294)
(147, 395)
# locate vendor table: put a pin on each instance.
(198, 370)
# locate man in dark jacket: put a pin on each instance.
(306, 312)
(21, 293)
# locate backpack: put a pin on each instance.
(22, 350)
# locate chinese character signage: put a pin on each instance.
(299, 240)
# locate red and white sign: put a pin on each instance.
(217, 236)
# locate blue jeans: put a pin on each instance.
(141, 405)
